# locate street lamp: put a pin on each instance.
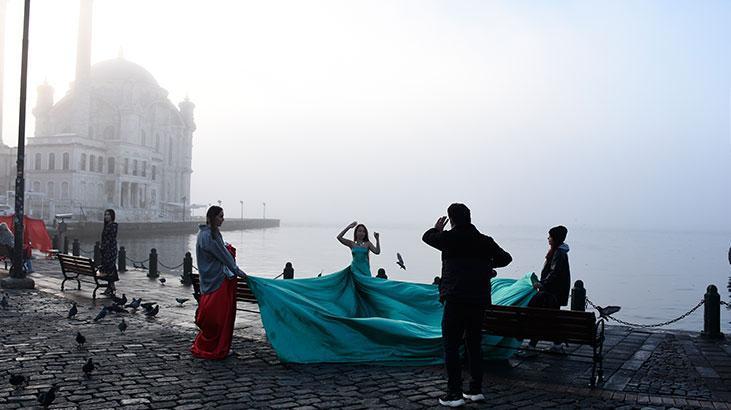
(18, 279)
(264, 205)
(242, 210)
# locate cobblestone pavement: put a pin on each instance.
(149, 366)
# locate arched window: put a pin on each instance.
(51, 193)
(144, 168)
(64, 190)
(65, 160)
(92, 162)
(52, 161)
(82, 162)
(38, 162)
(134, 167)
(154, 172)
(110, 166)
(100, 164)
(109, 133)
(154, 197)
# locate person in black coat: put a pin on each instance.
(555, 284)
(468, 259)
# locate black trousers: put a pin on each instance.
(543, 299)
(462, 321)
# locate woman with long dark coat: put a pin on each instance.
(108, 250)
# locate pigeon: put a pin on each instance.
(162, 281)
(88, 367)
(135, 304)
(148, 306)
(181, 300)
(18, 380)
(400, 261)
(119, 301)
(153, 312)
(101, 314)
(605, 312)
(122, 326)
(4, 301)
(47, 397)
(73, 311)
(80, 339)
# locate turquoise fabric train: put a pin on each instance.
(351, 317)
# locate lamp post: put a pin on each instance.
(264, 206)
(184, 198)
(242, 210)
(18, 279)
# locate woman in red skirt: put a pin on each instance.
(217, 305)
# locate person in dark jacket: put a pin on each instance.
(468, 259)
(555, 284)
(108, 251)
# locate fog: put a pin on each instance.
(603, 114)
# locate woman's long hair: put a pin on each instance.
(213, 212)
(355, 236)
(112, 215)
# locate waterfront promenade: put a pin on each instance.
(149, 365)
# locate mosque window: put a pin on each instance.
(134, 167)
(38, 162)
(154, 172)
(92, 162)
(52, 161)
(144, 168)
(82, 162)
(65, 163)
(109, 133)
(110, 166)
(100, 164)
(64, 190)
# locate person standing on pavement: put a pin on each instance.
(108, 251)
(468, 259)
(217, 305)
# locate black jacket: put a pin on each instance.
(468, 258)
(556, 275)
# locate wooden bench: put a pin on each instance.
(78, 267)
(243, 292)
(560, 326)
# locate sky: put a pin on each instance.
(594, 113)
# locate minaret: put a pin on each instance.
(2, 63)
(83, 45)
(82, 86)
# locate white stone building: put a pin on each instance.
(114, 140)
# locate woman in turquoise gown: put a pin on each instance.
(360, 247)
(351, 317)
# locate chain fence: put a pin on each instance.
(168, 267)
(668, 322)
(137, 262)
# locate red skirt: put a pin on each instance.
(216, 317)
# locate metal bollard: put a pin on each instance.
(76, 248)
(65, 245)
(153, 273)
(712, 314)
(578, 296)
(122, 260)
(187, 269)
(97, 254)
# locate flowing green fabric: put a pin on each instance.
(351, 317)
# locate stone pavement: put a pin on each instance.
(149, 366)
